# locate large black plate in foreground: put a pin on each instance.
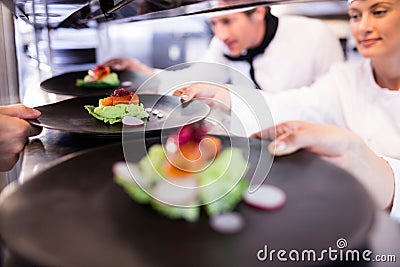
(75, 215)
(65, 84)
(71, 116)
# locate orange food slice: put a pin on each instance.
(170, 171)
(209, 147)
(134, 99)
(99, 72)
(193, 157)
(115, 100)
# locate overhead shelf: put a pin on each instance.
(84, 13)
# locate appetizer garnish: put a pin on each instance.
(121, 103)
(132, 121)
(99, 77)
(120, 96)
(267, 197)
(229, 222)
(189, 172)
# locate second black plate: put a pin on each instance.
(65, 84)
(71, 116)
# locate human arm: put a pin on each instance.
(253, 110)
(14, 132)
(215, 94)
(132, 64)
(340, 147)
(395, 165)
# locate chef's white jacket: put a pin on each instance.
(347, 96)
(301, 51)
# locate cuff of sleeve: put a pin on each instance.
(395, 165)
(249, 112)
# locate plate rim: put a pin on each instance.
(79, 75)
(36, 122)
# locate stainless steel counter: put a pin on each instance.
(51, 146)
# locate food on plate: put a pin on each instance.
(100, 76)
(113, 108)
(266, 197)
(190, 171)
(120, 96)
(229, 222)
(132, 121)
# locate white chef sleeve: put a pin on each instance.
(395, 165)
(250, 111)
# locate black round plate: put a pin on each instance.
(65, 84)
(73, 214)
(71, 116)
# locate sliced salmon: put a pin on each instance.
(192, 157)
(132, 98)
(99, 72)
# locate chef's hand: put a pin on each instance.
(338, 146)
(132, 64)
(326, 140)
(215, 95)
(14, 132)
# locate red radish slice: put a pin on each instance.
(267, 197)
(132, 121)
(227, 222)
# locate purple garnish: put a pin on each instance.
(98, 67)
(121, 92)
(192, 132)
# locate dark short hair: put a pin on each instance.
(251, 11)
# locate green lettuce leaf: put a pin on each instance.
(223, 183)
(133, 190)
(114, 114)
(110, 80)
(151, 164)
(190, 214)
(229, 201)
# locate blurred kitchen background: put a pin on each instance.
(45, 49)
(45, 40)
